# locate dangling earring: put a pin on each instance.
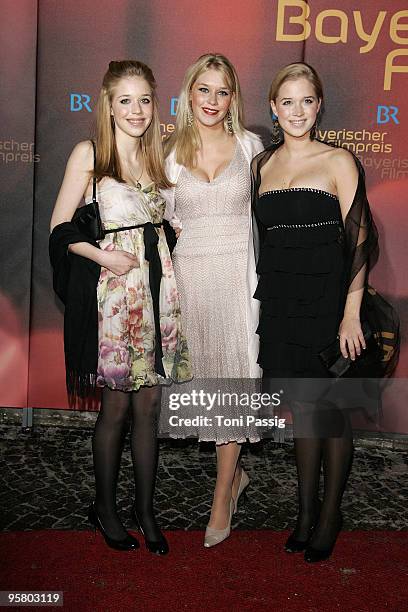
(230, 126)
(276, 132)
(190, 117)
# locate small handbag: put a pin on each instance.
(380, 327)
(87, 218)
(338, 365)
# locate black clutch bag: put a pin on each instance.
(366, 364)
(87, 218)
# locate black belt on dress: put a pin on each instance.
(151, 240)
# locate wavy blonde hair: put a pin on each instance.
(107, 157)
(186, 138)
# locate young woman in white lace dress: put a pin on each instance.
(208, 160)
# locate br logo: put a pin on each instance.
(78, 102)
(173, 107)
(385, 114)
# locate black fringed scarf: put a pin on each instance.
(75, 279)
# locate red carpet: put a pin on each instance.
(368, 572)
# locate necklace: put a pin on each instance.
(136, 181)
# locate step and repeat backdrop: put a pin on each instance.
(55, 53)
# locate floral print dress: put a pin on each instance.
(126, 328)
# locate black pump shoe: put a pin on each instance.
(314, 555)
(158, 547)
(128, 543)
(293, 545)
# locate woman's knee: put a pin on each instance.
(146, 404)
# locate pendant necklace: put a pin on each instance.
(135, 180)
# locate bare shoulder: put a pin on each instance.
(82, 156)
(345, 172)
(340, 164)
(341, 160)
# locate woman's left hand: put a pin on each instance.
(351, 337)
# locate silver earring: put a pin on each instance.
(277, 136)
(230, 127)
(190, 117)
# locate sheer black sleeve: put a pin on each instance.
(360, 238)
(258, 229)
(361, 253)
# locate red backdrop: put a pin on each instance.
(55, 53)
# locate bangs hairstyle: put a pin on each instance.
(292, 72)
(107, 157)
(186, 138)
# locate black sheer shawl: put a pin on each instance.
(360, 248)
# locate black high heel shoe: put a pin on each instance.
(314, 555)
(293, 545)
(158, 547)
(128, 543)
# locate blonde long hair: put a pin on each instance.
(107, 157)
(186, 138)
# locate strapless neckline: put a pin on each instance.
(307, 189)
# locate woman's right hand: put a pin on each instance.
(118, 262)
(177, 231)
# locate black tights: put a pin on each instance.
(315, 442)
(107, 445)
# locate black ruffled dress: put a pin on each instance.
(301, 278)
(307, 260)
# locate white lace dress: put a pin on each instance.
(210, 265)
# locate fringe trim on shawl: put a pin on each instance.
(80, 385)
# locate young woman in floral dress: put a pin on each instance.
(138, 342)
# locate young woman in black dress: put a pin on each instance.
(317, 242)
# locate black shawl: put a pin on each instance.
(75, 279)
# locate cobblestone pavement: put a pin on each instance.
(48, 483)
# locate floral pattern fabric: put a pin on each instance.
(125, 309)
